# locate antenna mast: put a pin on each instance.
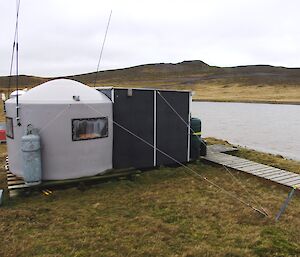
(102, 47)
(14, 47)
(17, 65)
(17, 69)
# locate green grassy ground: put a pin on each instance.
(164, 212)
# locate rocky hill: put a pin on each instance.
(267, 83)
(184, 73)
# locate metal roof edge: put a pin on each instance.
(150, 89)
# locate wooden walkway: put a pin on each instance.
(216, 154)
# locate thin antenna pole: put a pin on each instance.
(17, 80)
(17, 66)
(13, 50)
(102, 47)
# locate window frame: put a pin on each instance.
(88, 119)
(10, 119)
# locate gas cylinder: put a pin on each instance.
(198, 145)
(31, 152)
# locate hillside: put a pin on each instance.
(257, 83)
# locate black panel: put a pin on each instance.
(136, 114)
(172, 132)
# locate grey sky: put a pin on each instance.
(63, 37)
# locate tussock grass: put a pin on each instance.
(2, 116)
(247, 93)
(164, 212)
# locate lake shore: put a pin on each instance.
(246, 101)
(272, 128)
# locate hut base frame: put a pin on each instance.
(16, 185)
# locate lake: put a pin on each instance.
(271, 128)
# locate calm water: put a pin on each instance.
(272, 128)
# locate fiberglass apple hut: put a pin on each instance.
(85, 131)
(74, 122)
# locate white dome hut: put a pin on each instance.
(17, 92)
(75, 125)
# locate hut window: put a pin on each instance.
(9, 128)
(90, 128)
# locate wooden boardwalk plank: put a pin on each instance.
(270, 173)
(251, 168)
(265, 171)
(276, 174)
(236, 162)
(258, 171)
(247, 164)
(293, 183)
(284, 173)
(283, 176)
(293, 180)
(262, 167)
(287, 179)
(266, 175)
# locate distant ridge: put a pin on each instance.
(183, 74)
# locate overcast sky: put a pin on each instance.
(64, 37)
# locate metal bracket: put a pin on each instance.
(285, 204)
(1, 196)
(129, 92)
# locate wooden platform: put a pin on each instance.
(17, 183)
(14, 182)
(216, 154)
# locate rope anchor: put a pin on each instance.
(286, 202)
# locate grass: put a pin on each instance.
(2, 117)
(225, 93)
(241, 93)
(164, 212)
